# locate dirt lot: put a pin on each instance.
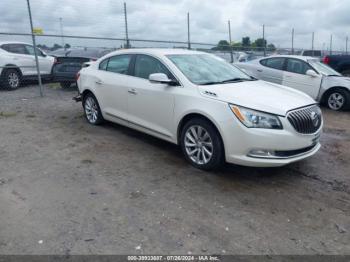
(70, 188)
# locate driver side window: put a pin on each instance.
(30, 51)
(146, 65)
(297, 66)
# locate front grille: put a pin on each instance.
(306, 120)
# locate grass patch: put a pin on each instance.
(54, 85)
(30, 116)
(8, 114)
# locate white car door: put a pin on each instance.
(295, 77)
(150, 105)
(45, 62)
(270, 69)
(111, 84)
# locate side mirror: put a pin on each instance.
(161, 79)
(311, 73)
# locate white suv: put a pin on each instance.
(211, 108)
(17, 63)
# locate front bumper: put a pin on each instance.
(287, 145)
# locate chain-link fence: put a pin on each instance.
(52, 57)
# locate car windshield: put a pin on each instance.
(203, 69)
(323, 68)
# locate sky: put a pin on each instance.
(167, 20)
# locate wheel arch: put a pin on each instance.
(331, 89)
(11, 66)
(187, 117)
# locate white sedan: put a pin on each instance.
(306, 74)
(213, 110)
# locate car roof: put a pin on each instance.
(156, 51)
(304, 58)
(13, 42)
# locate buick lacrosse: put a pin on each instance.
(212, 109)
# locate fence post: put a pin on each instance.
(312, 43)
(292, 41)
(188, 31)
(330, 45)
(264, 43)
(126, 27)
(35, 50)
(230, 40)
(62, 39)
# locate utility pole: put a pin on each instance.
(292, 41)
(230, 39)
(312, 44)
(330, 45)
(264, 43)
(35, 50)
(188, 31)
(61, 27)
(126, 27)
(346, 45)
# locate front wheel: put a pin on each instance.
(338, 99)
(92, 110)
(201, 144)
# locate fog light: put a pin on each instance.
(261, 153)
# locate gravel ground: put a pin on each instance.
(67, 187)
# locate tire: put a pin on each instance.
(198, 139)
(65, 84)
(11, 79)
(338, 99)
(92, 110)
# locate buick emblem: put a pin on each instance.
(314, 118)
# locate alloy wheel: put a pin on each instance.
(198, 145)
(13, 80)
(336, 101)
(91, 110)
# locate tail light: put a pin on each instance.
(326, 60)
(55, 62)
(77, 76)
(93, 59)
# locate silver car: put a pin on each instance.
(303, 73)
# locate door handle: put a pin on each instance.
(288, 76)
(99, 82)
(132, 91)
(259, 70)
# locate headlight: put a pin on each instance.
(256, 119)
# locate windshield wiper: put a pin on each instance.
(237, 79)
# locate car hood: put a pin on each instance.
(258, 95)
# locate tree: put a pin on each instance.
(259, 43)
(246, 41)
(271, 47)
(223, 45)
(66, 46)
(55, 47)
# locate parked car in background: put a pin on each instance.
(307, 74)
(312, 53)
(340, 63)
(17, 63)
(209, 107)
(68, 62)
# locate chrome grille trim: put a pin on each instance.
(302, 121)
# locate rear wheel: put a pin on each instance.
(11, 79)
(92, 110)
(338, 99)
(201, 144)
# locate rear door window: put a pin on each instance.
(119, 64)
(15, 48)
